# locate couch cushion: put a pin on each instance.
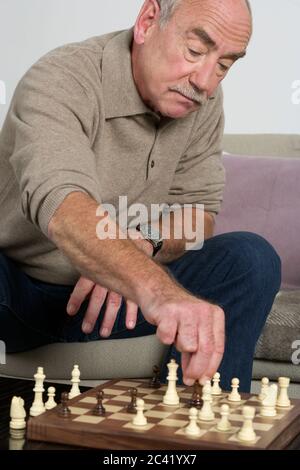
(275, 369)
(262, 195)
(98, 360)
(282, 329)
(276, 145)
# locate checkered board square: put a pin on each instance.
(165, 429)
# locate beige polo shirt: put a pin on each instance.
(77, 122)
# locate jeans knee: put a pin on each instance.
(256, 254)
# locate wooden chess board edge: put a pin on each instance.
(43, 429)
(287, 437)
(116, 441)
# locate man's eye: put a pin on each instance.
(195, 53)
(223, 67)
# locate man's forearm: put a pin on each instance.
(117, 265)
(173, 249)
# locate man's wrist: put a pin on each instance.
(152, 235)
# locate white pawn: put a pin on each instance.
(171, 397)
(17, 414)
(216, 389)
(192, 428)
(139, 419)
(75, 390)
(206, 413)
(50, 403)
(247, 434)
(224, 424)
(38, 406)
(234, 395)
(283, 400)
(264, 388)
(268, 408)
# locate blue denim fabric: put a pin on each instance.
(239, 271)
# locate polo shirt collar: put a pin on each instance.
(121, 97)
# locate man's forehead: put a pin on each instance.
(235, 11)
(209, 23)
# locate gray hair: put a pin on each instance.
(168, 7)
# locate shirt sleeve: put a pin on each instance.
(200, 174)
(53, 112)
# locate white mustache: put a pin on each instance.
(190, 93)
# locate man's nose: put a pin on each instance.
(202, 78)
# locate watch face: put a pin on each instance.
(154, 234)
(150, 232)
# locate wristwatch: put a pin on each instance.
(152, 235)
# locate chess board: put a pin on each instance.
(165, 428)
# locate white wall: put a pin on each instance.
(258, 91)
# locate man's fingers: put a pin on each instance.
(167, 330)
(199, 361)
(187, 337)
(79, 294)
(95, 304)
(131, 314)
(219, 340)
(113, 305)
(205, 362)
(185, 360)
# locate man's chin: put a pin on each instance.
(178, 112)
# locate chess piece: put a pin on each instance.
(247, 434)
(17, 414)
(64, 411)
(38, 406)
(139, 419)
(196, 400)
(99, 409)
(50, 403)
(155, 382)
(264, 388)
(131, 408)
(192, 428)
(206, 413)
(224, 424)
(234, 396)
(75, 390)
(268, 407)
(216, 389)
(171, 397)
(283, 400)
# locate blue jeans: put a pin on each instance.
(239, 271)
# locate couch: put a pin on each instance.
(262, 195)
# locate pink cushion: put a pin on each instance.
(262, 195)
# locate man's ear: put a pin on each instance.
(148, 17)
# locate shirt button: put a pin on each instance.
(152, 164)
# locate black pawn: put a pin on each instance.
(131, 408)
(154, 382)
(64, 411)
(196, 401)
(99, 409)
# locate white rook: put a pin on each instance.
(283, 400)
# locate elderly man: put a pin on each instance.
(136, 113)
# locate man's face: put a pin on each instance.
(178, 67)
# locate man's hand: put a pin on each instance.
(197, 328)
(98, 295)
